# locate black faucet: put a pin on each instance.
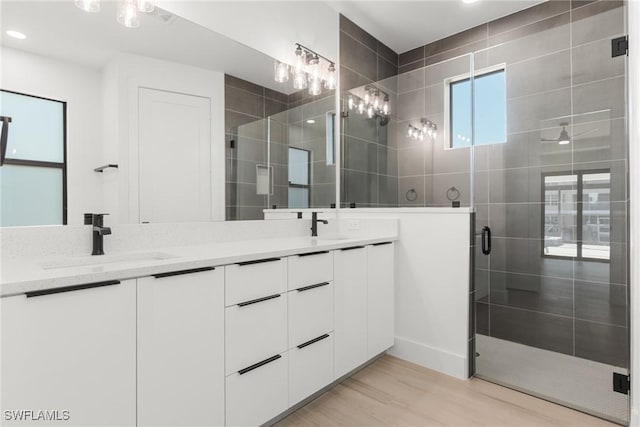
(99, 230)
(314, 223)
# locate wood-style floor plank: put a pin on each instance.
(393, 392)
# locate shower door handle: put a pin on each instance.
(486, 240)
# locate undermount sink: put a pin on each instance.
(329, 238)
(87, 261)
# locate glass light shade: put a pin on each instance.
(351, 102)
(299, 64)
(145, 6)
(409, 131)
(88, 5)
(376, 101)
(128, 13)
(361, 107)
(367, 97)
(300, 80)
(370, 111)
(281, 72)
(315, 86)
(330, 83)
(385, 108)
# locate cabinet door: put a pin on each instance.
(71, 351)
(380, 298)
(350, 281)
(181, 350)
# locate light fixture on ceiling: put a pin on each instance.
(128, 11)
(92, 6)
(374, 102)
(426, 129)
(469, 1)
(307, 71)
(311, 121)
(564, 138)
(16, 34)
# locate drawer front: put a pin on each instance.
(255, 332)
(255, 397)
(309, 269)
(310, 368)
(249, 281)
(310, 312)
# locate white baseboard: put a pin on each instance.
(430, 357)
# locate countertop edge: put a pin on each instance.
(13, 288)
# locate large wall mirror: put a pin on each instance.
(166, 122)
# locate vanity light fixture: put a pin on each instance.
(16, 34)
(374, 101)
(426, 129)
(307, 71)
(128, 12)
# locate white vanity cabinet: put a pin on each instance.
(350, 277)
(256, 333)
(181, 348)
(380, 297)
(71, 349)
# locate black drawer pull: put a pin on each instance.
(317, 285)
(255, 301)
(383, 243)
(51, 291)
(181, 272)
(352, 248)
(259, 364)
(257, 261)
(313, 341)
(314, 253)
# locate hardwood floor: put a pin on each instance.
(393, 392)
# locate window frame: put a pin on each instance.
(308, 184)
(42, 164)
(579, 213)
(448, 111)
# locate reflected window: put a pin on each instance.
(299, 189)
(577, 215)
(33, 177)
(490, 109)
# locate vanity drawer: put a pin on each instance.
(256, 396)
(255, 279)
(255, 331)
(310, 312)
(310, 368)
(309, 269)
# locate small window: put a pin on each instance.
(299, 163)
(33, 177)
(490, 109)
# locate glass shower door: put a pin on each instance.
(551, 203)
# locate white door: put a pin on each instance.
(181, 349)
(175, 157)
(70, 353)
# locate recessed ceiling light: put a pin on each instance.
(311, 121)
(16, 34)
(469, 1)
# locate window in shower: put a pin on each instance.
(299, 188)
(490, 108)
(577, 214)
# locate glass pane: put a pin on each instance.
(298, 198)
(30, 196)
(596, 215)
(298, 167)
(490, 108)
(560, 204)
(460, 113)
(37, 128)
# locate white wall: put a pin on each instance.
(271, 27)
(432, 282)
(634, 167)
(121, 80)
(79, 87)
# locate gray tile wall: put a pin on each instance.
(251, 112)
(558, 68)
(369, 173)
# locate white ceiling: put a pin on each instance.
(60, 30)
(404, 25)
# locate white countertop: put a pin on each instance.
(23, 275)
